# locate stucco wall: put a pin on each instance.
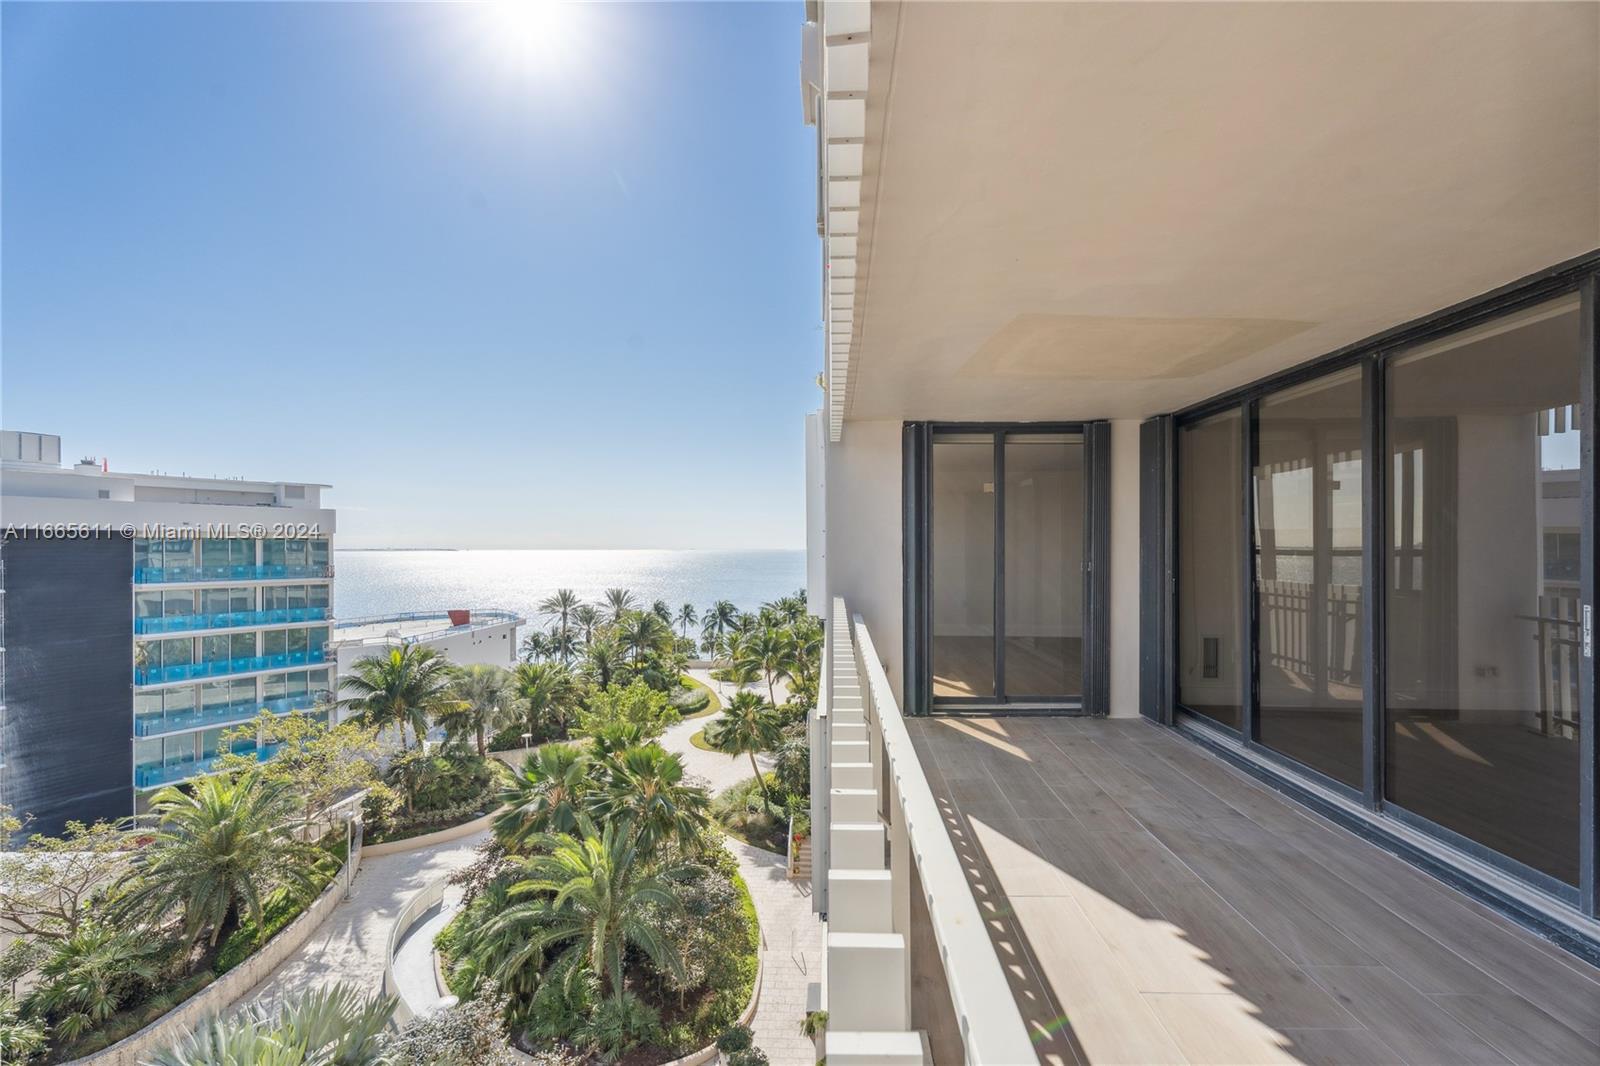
(863, 535)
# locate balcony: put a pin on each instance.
(1151, 904)
(189, 623)
(151, 725)
(156, 575)
(161, 675)
(153, 775)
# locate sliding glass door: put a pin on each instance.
(1382, 579)
(1006, 542)
(1484, 648)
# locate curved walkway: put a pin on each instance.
(351, 944)
(791, 934)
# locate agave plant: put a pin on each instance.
(334, 1026)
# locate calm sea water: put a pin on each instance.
(387, 582)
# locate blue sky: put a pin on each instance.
(501, 284)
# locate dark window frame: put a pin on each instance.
(917, 569)
(1373, 355)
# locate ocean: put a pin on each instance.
(389, 582)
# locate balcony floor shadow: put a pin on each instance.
(1152, 904)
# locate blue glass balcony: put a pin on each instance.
(150, 725)
(151, 775)
(157, 575)
(160, 675)
(188, 623)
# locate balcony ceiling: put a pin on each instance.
(1112, 210)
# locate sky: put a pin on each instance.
(503, 282)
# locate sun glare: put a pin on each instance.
(529, 35)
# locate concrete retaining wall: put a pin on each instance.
(425, 898)
(424, 840)
(230, 987)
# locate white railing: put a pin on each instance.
(883, 824)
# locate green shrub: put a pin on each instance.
(737, 1038)
(637, 704)
(616, 1026)
(691, 700)
(752, 1056)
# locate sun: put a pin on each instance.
(529, 34)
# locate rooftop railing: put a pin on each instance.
(484, 617)
(883, 825)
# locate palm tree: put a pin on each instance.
(535, 646)
(562, 644)
(662, 611)
(647, 790)
(620, 601)
(334, 1026)
(406, 687)
(769, 652)
(602, 660)
(90, 974)
(217, 850)
(641, 632)
(560, 606)
(717, 621)
(484, 696)
(734, 643)
(587, 617)
(549, 694)
(686, 618)
(747, 726)
(548, 795)
(598, 896)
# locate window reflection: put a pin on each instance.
(1308, 567)
(1483, 611)
(1209, 546)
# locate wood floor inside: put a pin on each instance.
(1034, 666)
(1150, 904)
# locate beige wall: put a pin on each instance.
(1124, 568)
(863, 535)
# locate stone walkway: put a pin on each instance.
(791, 934)
(350, 945)
(791, 954)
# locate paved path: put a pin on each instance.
(791, 954)
(350, 945)
(791, 934)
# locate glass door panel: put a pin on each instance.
(963, 566)
(1483, 613)
(1308, 569)
(1044, 526)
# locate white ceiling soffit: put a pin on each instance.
(1071, 211)
(844, 34)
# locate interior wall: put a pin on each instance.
(863, 535)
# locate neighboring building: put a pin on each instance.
(465, 637)
(143, 615)
(1234, 368)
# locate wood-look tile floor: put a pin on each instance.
(1153, 905)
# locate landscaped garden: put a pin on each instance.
(605, 920)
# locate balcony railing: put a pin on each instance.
(188, 623)
(882, 824)
(160, 675)
(151, 775)
(149, 725)
(158, 575)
